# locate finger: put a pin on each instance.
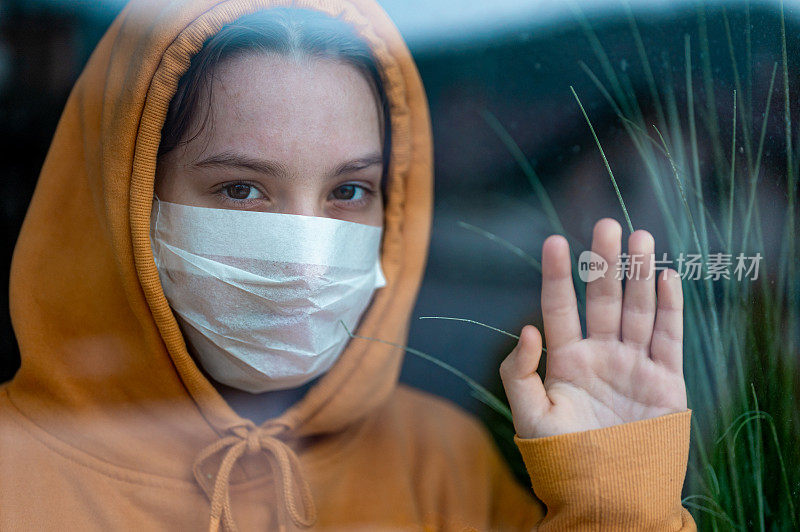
(562, 325)
(667, 345)
(604, 294)
(524, 388)
(639, 300)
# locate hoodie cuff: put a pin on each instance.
(624, 477)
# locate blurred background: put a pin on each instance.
(498, 77)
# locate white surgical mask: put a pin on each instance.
(259, 296)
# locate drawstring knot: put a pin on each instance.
(253, 443)
(252, 440)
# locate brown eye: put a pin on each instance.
(240, 191)
(346, 192)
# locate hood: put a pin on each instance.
(105, 367)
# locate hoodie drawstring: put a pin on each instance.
(285, 466)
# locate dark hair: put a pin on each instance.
(293, 32)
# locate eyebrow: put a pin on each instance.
(265, 166)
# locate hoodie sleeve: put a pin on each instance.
(625, 477)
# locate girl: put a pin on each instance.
(232, 187)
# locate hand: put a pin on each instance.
(630, 366)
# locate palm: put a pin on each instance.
(628, 368)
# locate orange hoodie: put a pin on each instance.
(110, 425)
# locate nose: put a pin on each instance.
(304, 206)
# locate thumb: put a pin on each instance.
(524, 388)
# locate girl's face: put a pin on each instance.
(286, 136)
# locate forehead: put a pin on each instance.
(267, 101)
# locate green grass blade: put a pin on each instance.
(514, 336)
(605, 160)
(535, 264)
(482, 393)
